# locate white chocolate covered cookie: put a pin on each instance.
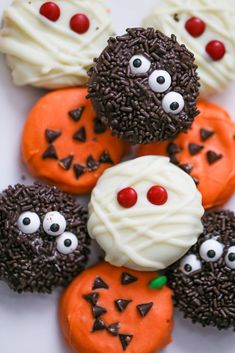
(207, 28)
(53, 44)
(145, 213)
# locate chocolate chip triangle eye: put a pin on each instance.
(99, 126)
(98, 311)
(91, 298)
(105, 158)
(66, 162)
(125, 340)
(127, 278)
(92, 164)
(213, 157)
(144, 308)
(52, 135)
(80, 135)
(99, 283)
(98, 325)
(121, 304)
(113, 328)
(50, 153)
(194, 148)
(78, 170)
(76, 114)
(187, 167)
(172, 148)
(174, 159)
(205, 134)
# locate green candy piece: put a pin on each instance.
(158, 282)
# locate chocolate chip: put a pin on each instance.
(99, 283)
(66, 162)
(113, 328)
(187, 167)
(213, 157)
(98, 325)
(99, 126)
(91, 163)
(105, 158)
(127, 278)
(78, 170)
(52, 135)
(125, 340)
(121, 304)
(92, 298)
(144, 308)
(205, 134)
(98, 311)
(50, 153)
(76, 114)
(196, 181)
(194, 148)
(174, 159)
(172, 148)
(80, 135)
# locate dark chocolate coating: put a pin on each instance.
(207, 296)
(126, 103)
(31, 262)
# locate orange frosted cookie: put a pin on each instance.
(112, 309)
(206, 152)
(65, 144)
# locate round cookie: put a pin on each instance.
(206, 27)
(206, 152)
(43, 238)
(144, 86)
(204, 280)
(65, 144)
(120, 312)
(145, 213)
(52, 44)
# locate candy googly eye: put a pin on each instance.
(159, 81)
(157, 195)
(173, 103)
(54, 223)
(67, 243)
(211, 250)
(28, 222)
(190, 264)
(230, 258)
(127, 197)
(139, 64)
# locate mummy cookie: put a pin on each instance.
(43, 238)
(121, 312)
(204, 280)
(52, 44)
(144, 86)
(206, 152)
(145, 213)
(65, 144)
(206, 27)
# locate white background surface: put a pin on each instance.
(28, 323)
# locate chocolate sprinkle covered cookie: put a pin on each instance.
(144, 86)
(204, 280)
(43, 238)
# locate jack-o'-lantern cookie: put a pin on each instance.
(206, 152)
(112, 309)
(65, 144)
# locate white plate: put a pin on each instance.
(28, 323)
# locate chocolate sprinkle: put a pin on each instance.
(105, 158)
(50, 153)
(99, 283)
(66, 162)
(213, 157)
(187, 167)
(206, 134)
(76, 114)
(121, 304)
(91, 163)
(98, 325)
(78, 170)
(194, 148)
(125, 340)
(113, 328)
(52, 135)
(80, 135)
(144, 309)
(99, 127)
(127, 278)
(98, 311)
(92, 298)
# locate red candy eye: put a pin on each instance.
(50, 10)
(80, 23)
(216, 50)
(157, 195)
(127, 197)
(195, 26)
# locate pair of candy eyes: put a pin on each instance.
(128, 197)
(53, 224)
(159, 81)
(210, 251)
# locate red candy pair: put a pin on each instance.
(127, 197)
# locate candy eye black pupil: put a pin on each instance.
(137, 63)
(54, 227)
(188, 268)
(67, 243)
(26, 221)
(161, 80)
(174, 106)
(211, 254)
(231, 256)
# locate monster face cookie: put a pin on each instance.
(145, 213)
(204, 280)
(116, 310)
(144, 86)
(206, 27)
(43, 238)
(206, 152)
(65, 144)
(52, 44)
